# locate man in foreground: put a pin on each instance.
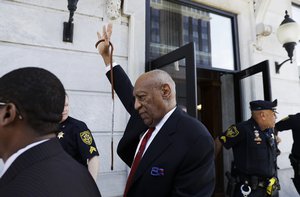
(35, 165)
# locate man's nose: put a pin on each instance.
(137, 104)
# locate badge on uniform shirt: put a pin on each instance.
(232, 132)
(272, 135)
(257, 138)
(86, 137)
(60, 135)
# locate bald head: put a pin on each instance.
(158, 79)
(161, 77)
(264, 118)
(155, 95)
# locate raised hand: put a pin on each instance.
(103, 47)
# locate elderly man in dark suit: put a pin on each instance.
(35, 164)
(169, 152)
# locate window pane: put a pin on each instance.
(173, 25)
(221, 42)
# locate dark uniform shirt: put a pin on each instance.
(77, 140)
(292, 122)
(254, 150)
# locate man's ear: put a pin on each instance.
(8, 114)
(263, 115)
(166, 91)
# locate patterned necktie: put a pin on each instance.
(137, 159)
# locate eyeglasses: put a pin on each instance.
(275, 111)
(3, 104)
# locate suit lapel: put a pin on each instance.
(159, 144)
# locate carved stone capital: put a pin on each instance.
(113, 9)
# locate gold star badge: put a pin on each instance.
(60, 135)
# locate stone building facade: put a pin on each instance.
(31, 34)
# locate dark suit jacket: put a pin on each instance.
(46, 170)
(180, 159)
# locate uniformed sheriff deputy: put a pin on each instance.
(77, 140)
(254, 170)
(293, 122)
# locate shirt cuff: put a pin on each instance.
(107, 67)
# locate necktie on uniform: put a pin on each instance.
(138, 158)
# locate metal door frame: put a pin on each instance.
(262, 67)
(186, 52)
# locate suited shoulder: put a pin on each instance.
(193, 126)
(46, 170)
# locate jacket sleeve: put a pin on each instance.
(123, 88)
(284, 124)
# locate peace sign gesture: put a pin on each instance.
(104, 43)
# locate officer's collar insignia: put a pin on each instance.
(272, 135)
(232, 131)
(60, 135)
(86, 137)
(156, 171)
(92, 149)
(257, 138)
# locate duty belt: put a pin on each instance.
(253, 181)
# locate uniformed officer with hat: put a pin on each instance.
(254, 170)
(293, 122)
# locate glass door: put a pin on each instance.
(180, 64)
(259, 86)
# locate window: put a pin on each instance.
(173, 25)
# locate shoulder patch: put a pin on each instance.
(86, 137)
(232, 131)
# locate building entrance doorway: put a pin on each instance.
(214, 96)
(209, 90)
